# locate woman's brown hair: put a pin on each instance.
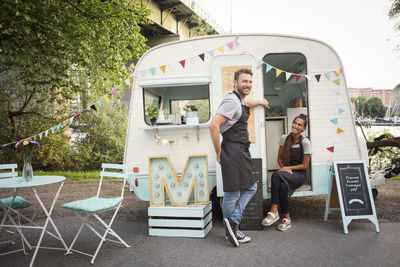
(285, 157)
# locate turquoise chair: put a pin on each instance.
(10, 204)
(86, 208)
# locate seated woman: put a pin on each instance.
(293, 158)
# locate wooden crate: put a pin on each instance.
(180, 221)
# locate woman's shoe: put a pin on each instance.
(267, 221)
(286, 224)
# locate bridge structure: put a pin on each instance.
(173, 20)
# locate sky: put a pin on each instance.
(359, 30)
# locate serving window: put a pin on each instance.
(171, 103)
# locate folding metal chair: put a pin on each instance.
(92, 206)
(9, 205)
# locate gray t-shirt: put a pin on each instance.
(305, 142)
(230, 108)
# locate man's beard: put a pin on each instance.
(241, 90)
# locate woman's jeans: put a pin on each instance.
(235, 202)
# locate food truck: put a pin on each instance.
(295, 74)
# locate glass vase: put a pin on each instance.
(27, 171)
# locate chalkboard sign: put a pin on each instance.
(353, 185)
(350, 192)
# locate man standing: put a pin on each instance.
(233, 153)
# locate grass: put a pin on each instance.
(394, 178)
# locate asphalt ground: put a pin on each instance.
(315, 243)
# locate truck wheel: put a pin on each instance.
(374, 193)
(216, 205)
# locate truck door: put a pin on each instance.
(222, 75)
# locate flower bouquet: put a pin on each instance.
(26, 148)
(192, 115)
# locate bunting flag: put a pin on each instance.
(308, 76)
(336, 91)
(192, 60)
(40, 136)
(221, 49)
(182, 63)
(163, 68)
(318, 76)
(230, 45)
(153, 71)
(341, 101)
(106, 98)
(340, 110)
(142, 73)
(58, 127)
(259, 63)
(338, 71)
(99, 103)
(65, 123)
(297, 78)
(113, 93)
(211, 52)
(331, 148)
(334, 121)
(93, 107)
(339, 131)
(278, 72)
(46, 133)
(328, 76)
(268, 68)
(202, 56)
(288, 75)
(52, 130)
(337, 81)
(77, 116)
(127, 82)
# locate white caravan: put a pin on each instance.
(296, 75)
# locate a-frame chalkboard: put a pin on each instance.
(350, 192)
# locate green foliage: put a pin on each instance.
(201, 28)
(71, 175)
(383, 159)
(372, 107)
(51, 50)
(152, 111)
(55, 154)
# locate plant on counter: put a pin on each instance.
(26, 148)
(190, 107)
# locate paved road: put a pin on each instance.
(305, 244)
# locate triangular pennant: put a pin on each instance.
(318, 76)
(221, 49)
(52, 130)
(65, 123)
(34, 138)
(77, 116)
(113, 92)
(58, 127)
(341, 101)
(268, 68)
(192, 60)
(99, 103)
(201, 56)
(335, 120)
(338, 140)
(288, 75)
(127, 82)
(259, 63)
(93, 107)
(337, 81)
(297, 78)
(40, 136)
(182, 63)
(340, 110)
(46, 133)
(341, 70)
(230, 45)
(337, 72)
(153, 71)
(211, 52)
(278, 72)
(163, 68)
(328, 76)
(106, 98)
(142, 73)
(339, 131)
(331, 149)
(308, 76)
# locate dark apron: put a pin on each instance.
(235, 155)
(297, 178)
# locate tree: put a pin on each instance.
(52, 50)
(359, 103)
(375, 107)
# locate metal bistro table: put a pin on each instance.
(17, 183)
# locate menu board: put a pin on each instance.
(227, 87)
(354, 189)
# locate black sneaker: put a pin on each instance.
(230, 228)
(241, 237)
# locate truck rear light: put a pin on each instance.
(135, 169)
(136, 182)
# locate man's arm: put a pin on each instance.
(215, 124)
(253, 103)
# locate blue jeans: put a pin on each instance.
(235, 202)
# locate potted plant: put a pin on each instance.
(152, 112)
(192, 115)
